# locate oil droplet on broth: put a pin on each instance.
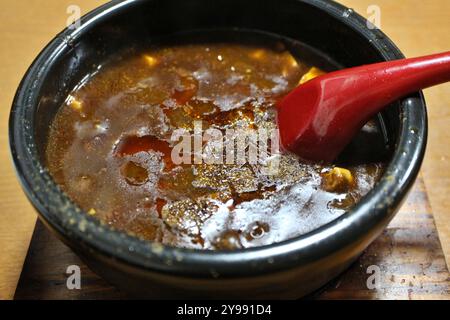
(228, 240)
(257, 230)
(134, 174)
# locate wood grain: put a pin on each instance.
(416, 26)
(408, 254)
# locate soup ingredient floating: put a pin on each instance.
(320, 117)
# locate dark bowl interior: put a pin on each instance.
(294, 267)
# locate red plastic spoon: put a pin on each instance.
(319, 118)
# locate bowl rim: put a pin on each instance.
(78, 229)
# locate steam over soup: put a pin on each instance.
(111, 148)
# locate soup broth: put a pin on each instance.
(110, 148)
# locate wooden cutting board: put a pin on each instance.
(408, 257)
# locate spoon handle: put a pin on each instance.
(359, 93)
(391, 80)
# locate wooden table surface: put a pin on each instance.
(417, 27)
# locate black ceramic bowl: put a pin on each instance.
(288, 269)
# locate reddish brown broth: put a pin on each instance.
(110, 150)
